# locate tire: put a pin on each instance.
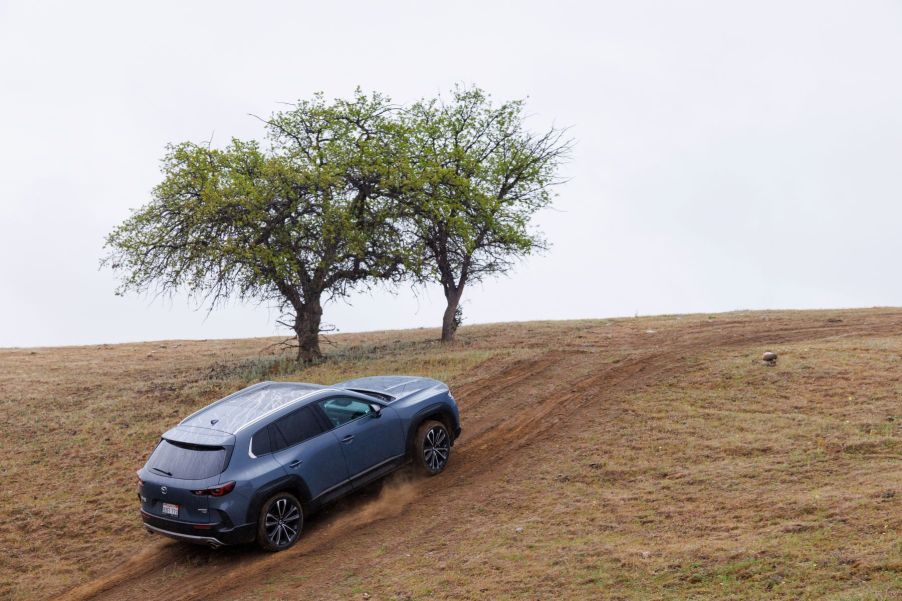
(432, 448)
(280, 522)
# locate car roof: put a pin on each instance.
(249, 404)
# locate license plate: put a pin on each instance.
(171, 509)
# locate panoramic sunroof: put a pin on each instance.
(230, 415)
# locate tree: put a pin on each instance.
(304, 221)
(476, 176)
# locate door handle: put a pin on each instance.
(295, 463)
(348, 438)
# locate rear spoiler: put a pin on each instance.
(199, 436)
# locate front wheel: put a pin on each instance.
(432, 447)
(280, 523)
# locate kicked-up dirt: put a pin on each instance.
(652, 458)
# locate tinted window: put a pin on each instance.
(260, 442)
(278, 441)
(295, 428)
(186, 461)
(341, 410)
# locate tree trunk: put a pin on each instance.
(449, 326)
(306, 328)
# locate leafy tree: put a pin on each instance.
(476, 176)
(303, 221)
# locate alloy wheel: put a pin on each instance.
(282, 522)
(436, 448)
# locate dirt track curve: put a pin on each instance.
(504, 407)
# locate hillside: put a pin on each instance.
(649, 458)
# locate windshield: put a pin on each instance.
(187, 461)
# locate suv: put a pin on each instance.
(252, 465)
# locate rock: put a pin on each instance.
(645, 554)
(770, 358)
(518, 530)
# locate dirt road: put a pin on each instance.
(526, 407)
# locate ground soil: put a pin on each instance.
(650, 458)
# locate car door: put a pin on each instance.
(369, 438)
(303, 447)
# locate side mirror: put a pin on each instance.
(377, 409)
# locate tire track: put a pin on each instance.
(517, 407)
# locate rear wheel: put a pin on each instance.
(280, 523)
(432, 447)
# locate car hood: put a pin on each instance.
(394, 386)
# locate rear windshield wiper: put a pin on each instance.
(156, 469)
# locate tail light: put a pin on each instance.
(140, 481)
(216, 491)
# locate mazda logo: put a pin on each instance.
(163, 490)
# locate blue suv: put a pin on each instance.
(252, 465)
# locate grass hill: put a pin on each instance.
(650, 458)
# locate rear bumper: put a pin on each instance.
(217, 535)
(188, 538)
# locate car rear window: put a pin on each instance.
(187, 461)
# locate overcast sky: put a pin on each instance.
(730, 155)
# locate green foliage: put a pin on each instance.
(345, 194)
(458, 317)
(476, 178)
(309, 215)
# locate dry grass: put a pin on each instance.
(79, 421)
(726, 480)
(650, 458)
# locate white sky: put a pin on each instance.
(730, 155)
